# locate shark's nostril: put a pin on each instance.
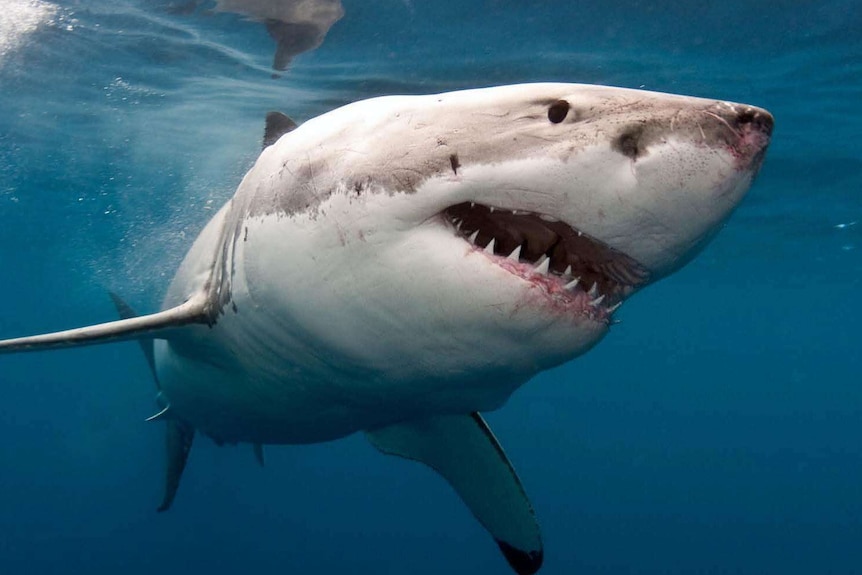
(746, 116)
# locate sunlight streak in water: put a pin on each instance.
(18, 18)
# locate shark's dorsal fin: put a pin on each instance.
(194, 310)
(277, 125)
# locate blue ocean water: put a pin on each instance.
(715, 430)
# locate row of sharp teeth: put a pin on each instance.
(542, 266)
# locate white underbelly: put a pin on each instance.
(232, 404)
(245, 379)
(265, 403)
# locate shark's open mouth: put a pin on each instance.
(576, 271)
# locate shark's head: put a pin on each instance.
(493, 229)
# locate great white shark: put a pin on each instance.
(401, 264)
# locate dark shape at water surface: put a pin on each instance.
(297, 26)
(292, 39)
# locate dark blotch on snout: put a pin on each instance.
(628, 143)
(558, 111)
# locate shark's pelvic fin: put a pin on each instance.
(194, 310)
(178, 441)
(258, 453)
(463, 450)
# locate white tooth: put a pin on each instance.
(597, 301)
(472, 238)
(594, 291)
(458, 224)
(516, 254)
(572, 284)
(615, 307)
(472, 205)
(580, 233)
(489, 249)
(568, 271)
(491, 208)
(548, 218)
(543, 265)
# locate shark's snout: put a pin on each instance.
(747, 131)
(692, 162)
(743, 118)
(755, 127)
(756, 119)
(741, 129)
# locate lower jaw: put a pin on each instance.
(565, 297)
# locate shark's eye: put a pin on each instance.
(558, 111)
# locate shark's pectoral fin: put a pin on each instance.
(196, 309)
(178, 441)
(463, 449)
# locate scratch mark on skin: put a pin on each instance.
(539, 138)
(723, 121)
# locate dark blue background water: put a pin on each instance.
(716, 430)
